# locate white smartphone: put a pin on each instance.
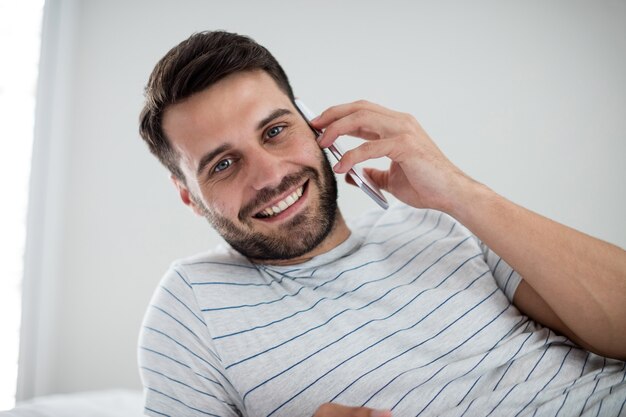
(359, 176)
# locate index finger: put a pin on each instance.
(337, 112)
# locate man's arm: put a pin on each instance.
(573, 283)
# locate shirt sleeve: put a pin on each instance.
(506, 277)
(181, 371)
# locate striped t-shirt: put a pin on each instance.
(411, 313)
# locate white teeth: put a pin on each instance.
(283, 205)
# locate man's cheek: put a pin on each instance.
(223, 209)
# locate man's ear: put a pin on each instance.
(185, 195)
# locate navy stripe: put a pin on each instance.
(335, 299)
(179, 401)
(188, 386)
(332, 369)
(445, 354)
(278, 281)
(182, 278)
(516, 385)
(621, 408)
(573, 382)
(260, 303)
(423, 365)
(288, 273)
(184, 305)
(155, 411)
(491, 349)
(595, 387)
(345, 310)
(338, 297)
(496, 267)
(600, 407)
(506, 285)
(511, 361)
(388, 336)
(362, 326)
(250, 266)
(422, 319)
(165, 356)
(180, 363)
(469, 405)
(507, 368)
(348, 309)
(547, 383)
(215, 355)
(380, 242)
(188, 350)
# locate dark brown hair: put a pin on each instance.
(192, 66)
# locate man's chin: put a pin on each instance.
(292, 239)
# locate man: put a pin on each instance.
(408, 311)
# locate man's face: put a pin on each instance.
(253, 167)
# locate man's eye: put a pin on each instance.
(222, 165)
(274, 131)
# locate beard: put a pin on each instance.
(292, 239)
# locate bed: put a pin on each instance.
(107, 403)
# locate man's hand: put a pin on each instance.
(573, 283)
(420, 175)
(338, 410)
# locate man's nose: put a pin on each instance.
(265, 170)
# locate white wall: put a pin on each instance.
(528, 97)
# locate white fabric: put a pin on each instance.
(411, 313)
(109, 403)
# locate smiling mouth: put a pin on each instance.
(282, 205)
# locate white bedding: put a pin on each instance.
(110, 403)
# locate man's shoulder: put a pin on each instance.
(221, 259)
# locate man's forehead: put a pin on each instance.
(241, 100)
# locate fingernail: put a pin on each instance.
(337, 167)
(314, 119)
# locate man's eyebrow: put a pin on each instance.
(275, 114)
(209, 156)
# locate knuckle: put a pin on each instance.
(361, 115)
(329, 112)
(362, 102)
(409, 117)
(367, 147)
(408, 122)
(348, 156)
(405, 138)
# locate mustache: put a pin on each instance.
(267, 194)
